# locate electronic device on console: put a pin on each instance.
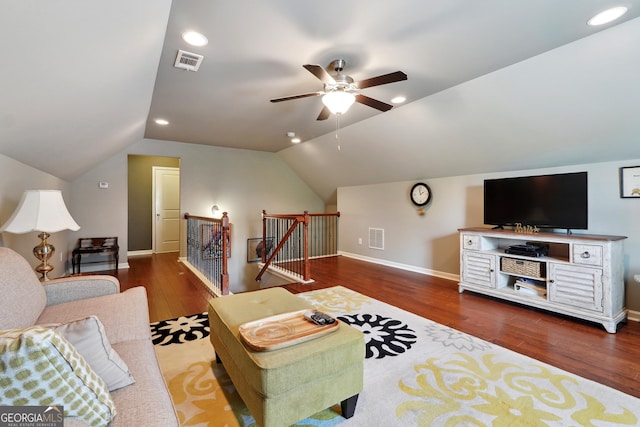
(532, 249)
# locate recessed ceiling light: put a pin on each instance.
(162, 122)
(398, 100)
(607, 16)
(194, 38)
(295, 140)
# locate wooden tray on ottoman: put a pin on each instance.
(282, 330)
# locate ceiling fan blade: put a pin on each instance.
(324, 114)
(320, 73)
(374, 103)
(382, 80)
(303, 95)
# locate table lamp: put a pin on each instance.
(44, 211)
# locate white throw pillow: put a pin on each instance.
(89, 339)
(38, 366)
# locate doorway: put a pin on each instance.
(141, 207)
(166, 209)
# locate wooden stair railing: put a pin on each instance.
(297, 238)
(208, 241)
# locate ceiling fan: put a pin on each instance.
(341, 91)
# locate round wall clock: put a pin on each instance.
(420, 194)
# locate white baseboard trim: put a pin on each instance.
(407, 267)
(103, 266)
(205, 281)
(633, 315)
(140, 253)
(285, 275)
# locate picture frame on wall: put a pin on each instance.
(630, 182)
(254, 249)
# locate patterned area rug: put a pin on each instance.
(416, 373)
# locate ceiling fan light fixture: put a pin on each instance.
(607, 16)
(338, 101)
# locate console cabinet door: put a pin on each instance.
(576, 286)
(479, 269)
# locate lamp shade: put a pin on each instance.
(40, 210)
(338, 101)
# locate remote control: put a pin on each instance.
(319, 318)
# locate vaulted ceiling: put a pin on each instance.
(492, 85)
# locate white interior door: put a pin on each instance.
(166, 203)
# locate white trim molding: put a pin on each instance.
(407, 267)
(633, 315)
(102, 266)
(140, 253)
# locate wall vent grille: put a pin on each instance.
(376, 238)
(188, 61)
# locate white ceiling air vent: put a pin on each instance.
(188, 61)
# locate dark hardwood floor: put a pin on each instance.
(173, 290)
(583, 348)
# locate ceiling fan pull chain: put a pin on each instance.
(338, 129)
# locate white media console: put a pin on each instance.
(581, 276)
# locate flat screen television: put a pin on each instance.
(544, 201)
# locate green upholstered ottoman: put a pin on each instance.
(281, 387)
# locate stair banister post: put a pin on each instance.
(264, 236)
(305, 243)
(224, 275)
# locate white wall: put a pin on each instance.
(15, 178)
(430, 244)
(240, 182)
(102, 212)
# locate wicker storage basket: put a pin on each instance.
(522, 267)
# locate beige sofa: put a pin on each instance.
(24, 302)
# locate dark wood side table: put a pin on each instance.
(95, 245)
